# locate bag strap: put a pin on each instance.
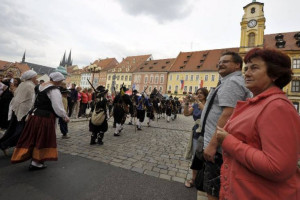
(207, 110)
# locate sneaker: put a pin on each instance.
(116, 134)
(139, 129)
(34, 168)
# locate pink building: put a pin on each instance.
(152, 74)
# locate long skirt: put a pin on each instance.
(37, 141)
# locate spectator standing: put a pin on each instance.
(231, 89)
(73, 99)
(261, 140)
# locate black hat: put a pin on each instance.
(134, 91)
(64, 90)
(101, 89)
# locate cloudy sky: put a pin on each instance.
(95, 29)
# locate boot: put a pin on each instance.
(93, 138)
(100, 138)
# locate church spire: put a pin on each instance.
(69, 62)
(23, 59)
(63, 62)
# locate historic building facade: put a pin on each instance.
(122, 73)
(152, 74)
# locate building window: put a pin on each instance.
(107, 87)
(296, 63)
(160, 88)
(170, 77)
(186, 77)
(196, 88)
(150, 89)
(177, 77)
(118, 77)
(170, 87)
(122, 78)
(129, 78)
(151, 79)
(126, 78)
(197, 77)
(185, 88)
(296, 86)
(206, 78)
(251, 40)
(161, 79)
(176, 88)
(146, 79)
(212, 77)
(156, 79)
(192, 77)
(191, 89)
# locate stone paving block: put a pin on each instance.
(163, 171)
(155, 169)
(162, 167)
(181, 175)
(178, 179)
(164, 176)
(151, 173)
(139, 170)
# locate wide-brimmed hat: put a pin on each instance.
(101, 89)
(64, 90)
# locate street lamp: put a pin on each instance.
(93, 68)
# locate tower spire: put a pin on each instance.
(69, 62)
(23, 59)
(63, 62)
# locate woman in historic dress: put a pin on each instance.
(20, 105)
(196, 110)
(261, 140)
(38, 139)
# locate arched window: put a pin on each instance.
(251, 40)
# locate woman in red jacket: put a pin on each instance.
(261, 140)
(83, 102)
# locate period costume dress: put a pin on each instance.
(38, 139)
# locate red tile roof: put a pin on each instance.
(289, 38)
(130, 63)
(199, 60)
(4, 65)
(106, 64)
(162, 65)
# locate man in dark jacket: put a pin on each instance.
(72, 98)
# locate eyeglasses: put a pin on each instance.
(224, 62)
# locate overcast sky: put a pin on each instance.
(95, 29)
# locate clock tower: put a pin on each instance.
(252, 27)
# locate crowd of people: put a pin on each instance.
(245, 143)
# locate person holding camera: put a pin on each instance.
(198, 100)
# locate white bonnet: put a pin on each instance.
(28, 75)
(57, 76)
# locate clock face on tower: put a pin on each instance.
(252, 23)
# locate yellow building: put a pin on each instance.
(252, 35)
(192, 70)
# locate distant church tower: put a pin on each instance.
(252, 27)
(23, 59)
(65, 62)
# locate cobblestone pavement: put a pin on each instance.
(157, 150)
